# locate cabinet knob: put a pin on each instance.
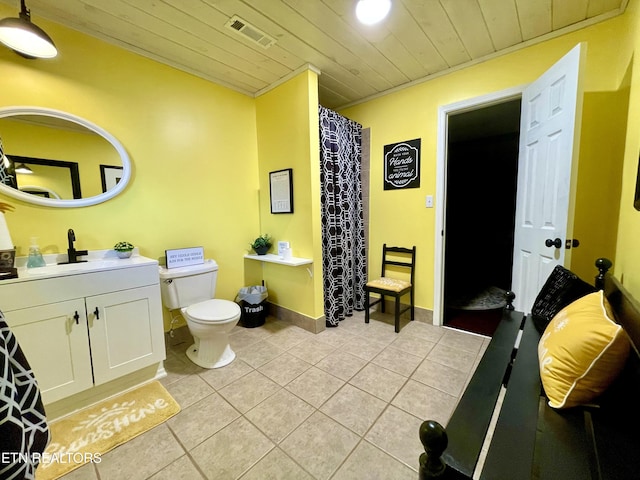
(76, 317)
(96, 312)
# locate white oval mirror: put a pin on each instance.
(73, 162)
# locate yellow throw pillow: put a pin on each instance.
(581, 352)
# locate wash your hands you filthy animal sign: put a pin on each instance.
(402, 165)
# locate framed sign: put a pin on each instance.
(402, 165)
(281, 190)
(183, 257)
(110, 176)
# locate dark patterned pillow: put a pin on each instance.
(561, 288)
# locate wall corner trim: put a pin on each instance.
(288, 77)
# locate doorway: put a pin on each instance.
(546, 178)
(481, 180)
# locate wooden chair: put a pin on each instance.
(388, 286)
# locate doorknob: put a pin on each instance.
(553, 243)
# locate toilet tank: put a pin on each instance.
(184, 286)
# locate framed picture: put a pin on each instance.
(110, 176)
(52, 175)
(636, 200)
(281, 190)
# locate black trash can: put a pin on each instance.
(252, 301)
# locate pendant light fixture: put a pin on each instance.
(370, 12)
(26, 38)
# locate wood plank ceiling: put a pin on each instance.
(419, 38)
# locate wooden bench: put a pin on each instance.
(530, 439)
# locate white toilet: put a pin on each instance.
(210, 320)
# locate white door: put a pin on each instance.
(549, 136)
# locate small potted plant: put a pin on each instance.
(262, 244)
(123, 249)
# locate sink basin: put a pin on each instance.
(63, 268)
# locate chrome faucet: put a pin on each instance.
(72, 253)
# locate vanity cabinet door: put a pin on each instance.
(126, 332)
(56, 346)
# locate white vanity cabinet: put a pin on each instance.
(84, 329)
(56, 347)
(122, 331)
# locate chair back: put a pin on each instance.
(393, 259)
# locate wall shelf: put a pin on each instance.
(271, 258)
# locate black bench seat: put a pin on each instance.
(531, 440)
(518, 413)
(525, 420)
(468, 425)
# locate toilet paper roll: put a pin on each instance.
(5, 238)
(286, 254)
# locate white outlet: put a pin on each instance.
(429, 202)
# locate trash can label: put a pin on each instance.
(253, 309)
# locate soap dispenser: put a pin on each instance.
(35, 257)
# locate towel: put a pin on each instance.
(24, 433)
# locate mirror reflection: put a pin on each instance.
(55, 158)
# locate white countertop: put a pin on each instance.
(97, 261)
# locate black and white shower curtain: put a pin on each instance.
(7, 172)
(343, 248)
(24, 432)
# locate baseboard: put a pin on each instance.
(420, 314)
(313, 325)
(86, 398)
(317, 325)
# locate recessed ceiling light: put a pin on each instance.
(372, 11)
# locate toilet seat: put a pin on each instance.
(213, 311)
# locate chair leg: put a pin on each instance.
(397, 315)
(382, 302)
(366, 306)
(412, 306)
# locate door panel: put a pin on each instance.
(124, 336)
(56, 347)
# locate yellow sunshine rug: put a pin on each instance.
(86, 435)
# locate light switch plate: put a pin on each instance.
(429, 202)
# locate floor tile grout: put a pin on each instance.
(351, 338)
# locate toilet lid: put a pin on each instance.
(213, 310)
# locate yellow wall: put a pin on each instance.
(287, 125)
(627, 261)
(400, 216)
(599, 178)
(201, 155)
(192, 144)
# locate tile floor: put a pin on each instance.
(342, 404)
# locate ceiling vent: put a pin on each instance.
(250, 32)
